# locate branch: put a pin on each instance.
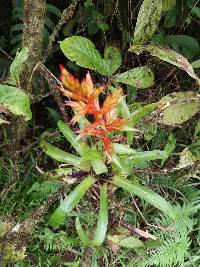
(67, 15)
(54, 83)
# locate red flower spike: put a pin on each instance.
(86, 101)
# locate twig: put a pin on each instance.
(67, 15)
(145, 220)
(138, 231)
(54, 83)
(5, 53)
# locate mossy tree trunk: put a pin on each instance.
(34, 18)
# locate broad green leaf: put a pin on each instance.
(145, 194)
(82, 234)
(77, 144)
(196, 64)
(147, 21)
(102, 223)
(83, 52)
(70, 201)
(18, 65)
(171, 17)
(179, 107)
(183, 44)
(141, 77)
(15, 100)
(113, 58)
(124, 241)
(60, 155)
(167, 55)
(168, 5)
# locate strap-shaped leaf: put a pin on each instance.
(60, 155)
(147, 21)
(123, 149)
(167, 55)
(148, 155)
(102, 223)
(15, 100)
(82, 234)
(94, 157)
(145, 194)
(83, 52)
(77, 144)
(141, 77)
(67, 205)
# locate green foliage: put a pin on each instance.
(183, 44)
(170, 253)
(141, 77)
(59, 154)
(168, 5)
(15, 100)
(147, 21)
(18, 65)
(42, 191)
(179, 107)
(102, 223)
(146, 194)
(167, 55)
(92, 18)
(83, 52)
(169, 147)
(155, 134)
(70, 202)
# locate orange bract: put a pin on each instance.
(86, 101)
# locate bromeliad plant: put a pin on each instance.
(99, 124)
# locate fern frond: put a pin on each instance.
(170, 253)
(42, 191)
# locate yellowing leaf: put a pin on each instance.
(167, 55)
(179, 107)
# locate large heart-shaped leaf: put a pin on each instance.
(147, 20)
(83, 52)
(141, 77)
(15, 100)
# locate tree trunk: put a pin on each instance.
(34, 18)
